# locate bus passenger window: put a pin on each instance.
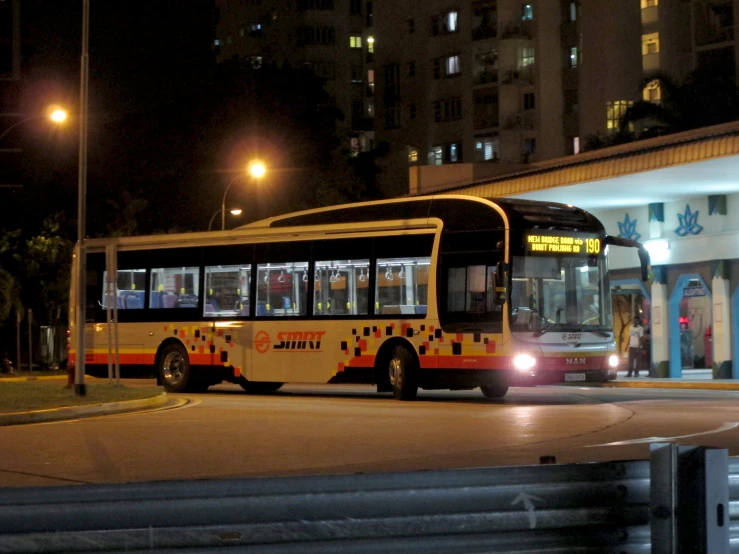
(174, 287)
(128, 290)
(282, 289)
(227, 291)
(471, 290)
(341, 288)
(402, 285)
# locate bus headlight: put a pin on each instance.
(524, 362)
(613, 361)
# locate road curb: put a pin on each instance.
(654, 384)
(75, 412)
(32, 378)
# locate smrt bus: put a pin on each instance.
(432, 292)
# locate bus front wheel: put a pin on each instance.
(494, 391)
(175, 372)
(403, 372)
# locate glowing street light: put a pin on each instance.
(234, 211)
(257, 170)
(55, 114)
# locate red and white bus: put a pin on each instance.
(434, 292)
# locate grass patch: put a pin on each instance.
(43, 395)
(44, 373)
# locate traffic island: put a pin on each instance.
(35, 401)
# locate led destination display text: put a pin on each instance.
(575, 245)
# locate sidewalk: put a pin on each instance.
(691, 379)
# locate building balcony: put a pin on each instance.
(520, 120)
(523, 76)
(484, 32)
(485, 77)
(518, 30)
(649, 15)
(714, 35)
(650, 62)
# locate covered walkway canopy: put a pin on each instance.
(703, 161)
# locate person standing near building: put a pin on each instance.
(636, 333)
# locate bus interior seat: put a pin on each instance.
(209, 308)
(286, 303)
(133, 302)
(169, 300)
(421, 309)
(245, 308)
(155, 300)
(407, 309)
(262, 309)
(213, 303)
(391, 309)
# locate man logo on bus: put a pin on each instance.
(262, 342)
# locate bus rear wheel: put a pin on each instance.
(494, 391)
(257, 387)
(175, 372)
(403, 373)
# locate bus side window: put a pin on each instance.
(174, 287)
(341, 287)
(282, 289)
(402, 285)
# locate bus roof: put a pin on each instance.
(459, 212)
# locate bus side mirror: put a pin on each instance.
(644, 260)
(501, 292)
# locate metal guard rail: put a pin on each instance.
(595, 507)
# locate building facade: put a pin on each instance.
(512, 82)
(334, 38)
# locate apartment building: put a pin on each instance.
(332, 37)
(492, 85)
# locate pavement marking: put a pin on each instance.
(720, 429)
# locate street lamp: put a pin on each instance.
(55, 114)
(234, 211)
(256, 169)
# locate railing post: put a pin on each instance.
(689, 499)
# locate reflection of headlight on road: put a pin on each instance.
(524, 362)
(613, 361)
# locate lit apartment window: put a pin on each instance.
(652, 92)
(370, 109)
(573, 57)
(452, 65)
(355, 41)
(451, 22)
(455, 152)
(412, 156)
(487, 148)
(575, 145)
(573, 11)
(216, 42)
(527, 12)
(370, 44)
(650, 44)
(436, 155)
(614, 113)
(649, 3)
(529, 101)
(527, 56)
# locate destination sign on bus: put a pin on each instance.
(571, 244)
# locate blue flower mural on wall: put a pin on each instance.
(627, 229)
(688, 223)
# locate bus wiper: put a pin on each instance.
(543, 330)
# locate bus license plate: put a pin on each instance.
(574, 376)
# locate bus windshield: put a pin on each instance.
(559, 293)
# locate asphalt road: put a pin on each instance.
(310, 430)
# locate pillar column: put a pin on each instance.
(656, 220)
(660, 325)
(721, 320)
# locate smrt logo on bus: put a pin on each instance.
(299, 341)
(262, 342)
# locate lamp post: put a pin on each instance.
(256, 169)
(234, 211)
(80, 388)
